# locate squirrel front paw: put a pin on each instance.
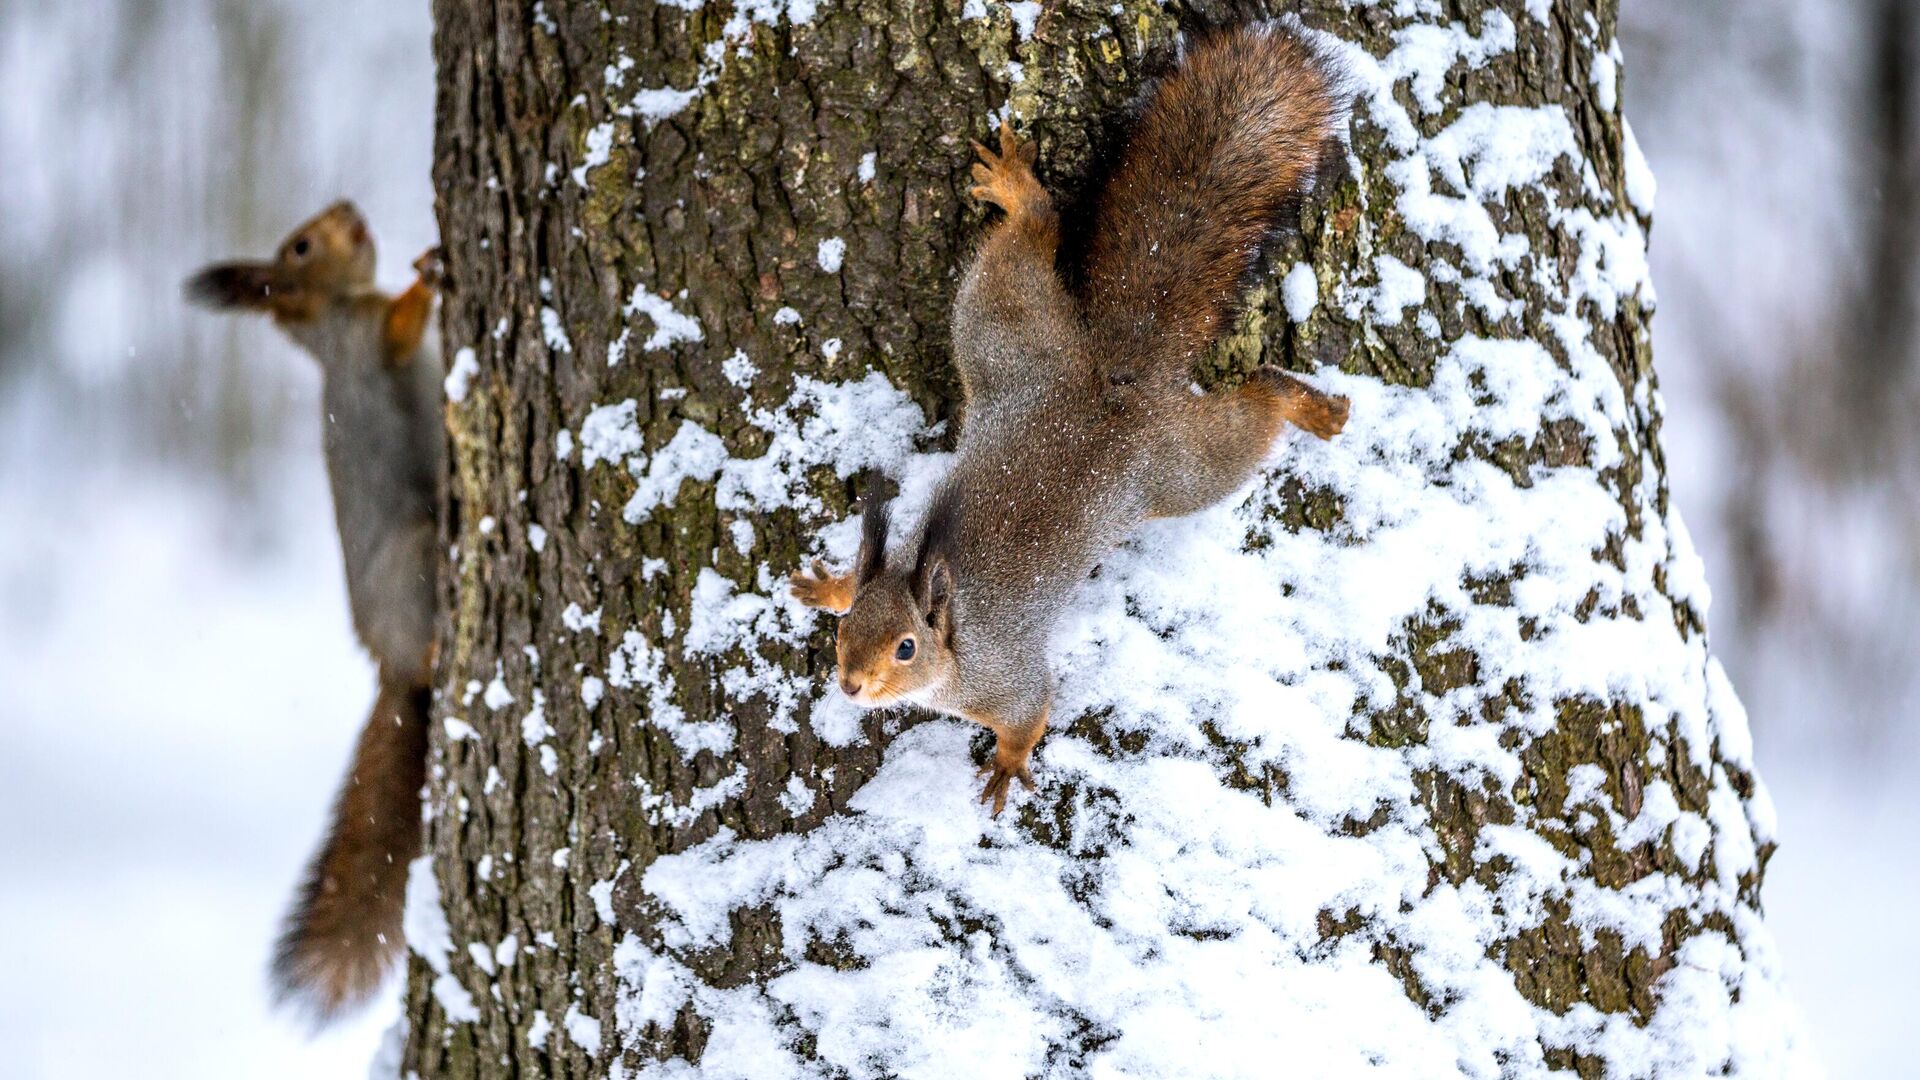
(822, 588)
(431, 268)
(1006, 179)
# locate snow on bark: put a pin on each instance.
(1411, 758)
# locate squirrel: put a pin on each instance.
(1080, 420)
(384, 445)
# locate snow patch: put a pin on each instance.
(424, 922)
(830, 254)
(460, 375)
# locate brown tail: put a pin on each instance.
(344, 930)
(1224, 145)
(249, 285)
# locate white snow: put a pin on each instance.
(1401, 287)
(553, 331)
(830, 254)
(460, 375)
(660, 102)
(798, 798)
(739, 369)
(669, 324)
(609, 433)
(599, 145)
(1026, 15)
(540, 1029)
(1641, 187)
(584, 1030)
(1426, 54)
(497, 695)
(1183, 907)
(579, 620)
(1606, 77)
(601, 893)
(425, 925)
(1300, 292)
(694, 453)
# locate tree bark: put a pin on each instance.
(679, 237)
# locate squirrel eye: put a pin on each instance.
(905, 650)
(300, 247)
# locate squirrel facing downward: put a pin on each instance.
(1080, 419)
(381, 400)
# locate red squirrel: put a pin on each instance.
(1080, 421)
(384, 443)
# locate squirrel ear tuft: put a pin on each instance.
(231, 285)
(874, 519)
(932, 569)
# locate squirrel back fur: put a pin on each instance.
(1079, 420)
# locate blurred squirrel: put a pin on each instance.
(381, 399)
(1080, 417)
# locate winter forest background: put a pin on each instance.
(181, 684)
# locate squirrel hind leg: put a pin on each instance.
(1316, 412)
(1012, 754)
(1210, 445)
(1006, 180)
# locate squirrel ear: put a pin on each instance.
(874, 519)
(936, 589)
(932, 570)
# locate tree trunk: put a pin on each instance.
(1411, 757)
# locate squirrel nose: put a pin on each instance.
(850, 684)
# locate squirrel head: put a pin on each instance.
(328, 259)
(896, 640)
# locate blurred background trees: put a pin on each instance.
(1785, 135)
(141, 139)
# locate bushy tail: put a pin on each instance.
(1222, 148)
(247, 285)
(344, 930)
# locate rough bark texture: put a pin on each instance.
(559, 207)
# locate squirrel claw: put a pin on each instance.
(430, 266)
(999, 780)
(1006, 178)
